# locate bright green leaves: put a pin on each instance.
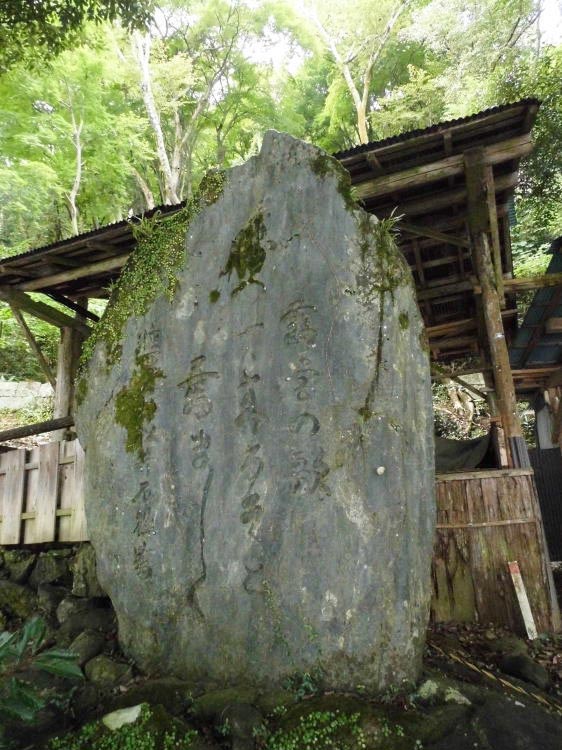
(22, 651)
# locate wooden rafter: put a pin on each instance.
(439, 200)
(420, 230)
(110, 264)
(74, 306)
(450, 166)
(40, 310)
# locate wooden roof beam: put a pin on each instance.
(444, 290)
(374, 163)
(73, 274)
(442, 199)
(513, 148)
(62, 261)
(530, 283)
(479, 125)
(83, 311)
(420, 230)
(40, 310)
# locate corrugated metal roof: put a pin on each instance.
(401, 137)
(95, 233)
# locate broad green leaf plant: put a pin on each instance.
(22, 651)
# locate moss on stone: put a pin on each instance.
(323, 164)
(150, 272)
(133, 408)
(247, 253)
(404, 321)
(154, 729)
(214, 296)
(387, 264)
(81, 389)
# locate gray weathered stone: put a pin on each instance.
(19, 564)
(104, 672)
(72, 605)
(101, 619)
(87, 645)
(268, 506)
(84, 578)
(48, 569)
(17, 600)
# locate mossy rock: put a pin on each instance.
(19, 564)
(175, 695)
(210, 706)
(105, 672)
(49, 568)
(274, 700)
(153, 729)
(17, 600)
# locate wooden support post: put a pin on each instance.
(479, 226)
(68, 356)
(494, 231)
(498, 435)
(35, 348)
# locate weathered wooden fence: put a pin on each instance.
(41, 494)
(486, 519)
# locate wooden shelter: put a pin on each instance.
(449, 187)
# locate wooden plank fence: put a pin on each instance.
(486, 519)
(42, 494)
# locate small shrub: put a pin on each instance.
(23, 650)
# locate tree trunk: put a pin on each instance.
(142, 53)
(145, 189)
(71, 197)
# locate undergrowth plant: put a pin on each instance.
(320, 730)
(143, 734)
(22, 651)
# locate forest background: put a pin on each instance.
(109, 109)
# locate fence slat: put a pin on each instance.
(32, 495)
(48, 481)
(79, 530)
(73, 527)
(13, 462)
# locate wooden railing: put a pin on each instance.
(42, 495)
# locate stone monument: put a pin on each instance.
(259, 456)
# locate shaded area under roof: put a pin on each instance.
(538, 342)
(84, 265)
(420, 176)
